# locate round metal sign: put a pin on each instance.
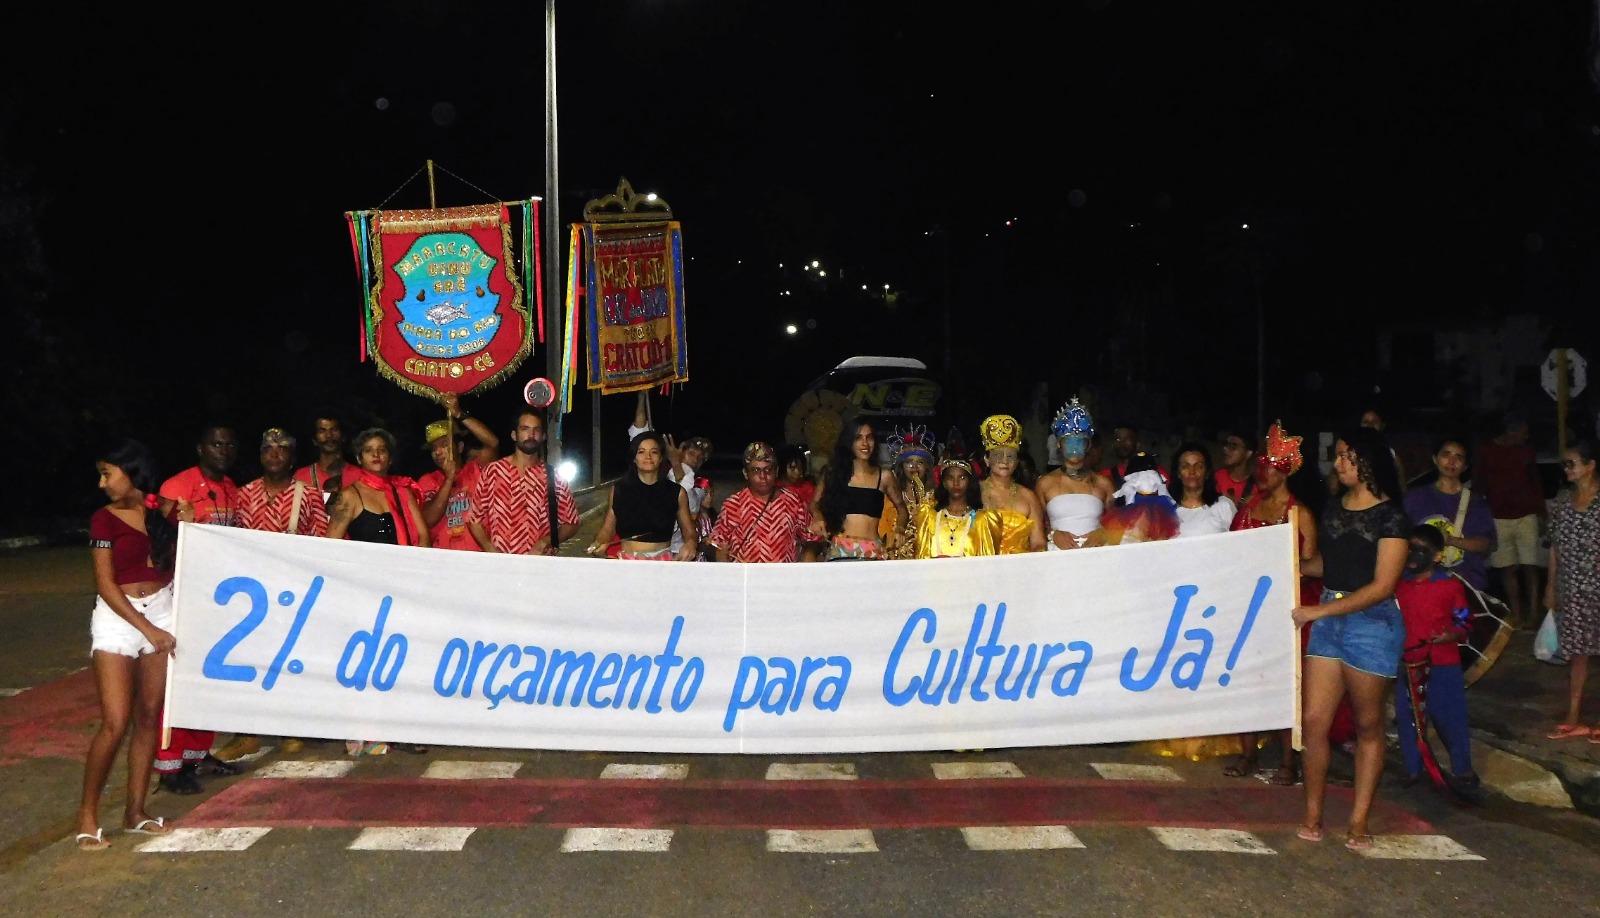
(1577, 373)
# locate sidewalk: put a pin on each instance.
(1512, 707)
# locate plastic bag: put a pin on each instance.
(1546, 647)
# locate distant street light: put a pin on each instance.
(792, 329)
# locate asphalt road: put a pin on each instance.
(1065, 833)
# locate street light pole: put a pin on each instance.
(552, 259)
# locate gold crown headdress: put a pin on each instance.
(759, 452)
(1283, 451)
(1001, 431)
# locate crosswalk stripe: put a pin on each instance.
(412, 838)
(467, 771)
(821, 841)
(1118, 771)
(577, 840)
(954, 771)
(1230, 840)
(661, 772)
(1419, 848)
(811, 771)
(1019, 838)
(186, 840)
(333, 769)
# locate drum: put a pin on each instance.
(1488, 632)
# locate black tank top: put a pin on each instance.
(863, 501)
(373, 527)
(646, 513)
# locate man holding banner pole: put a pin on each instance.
(513, 513)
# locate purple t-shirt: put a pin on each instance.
(1428, 504)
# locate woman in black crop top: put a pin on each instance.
(1357, 634)
(133, 540)
(645, 506)
(848, 504)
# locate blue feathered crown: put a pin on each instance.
(1073, 420)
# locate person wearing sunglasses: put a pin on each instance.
(1573, 590)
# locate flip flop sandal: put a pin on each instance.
(1309, 833)
(1568, 731)
(98, 839)
(1358, 842)
(159, 822)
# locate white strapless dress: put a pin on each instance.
(1078, 514)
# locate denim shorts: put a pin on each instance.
(1369, 640)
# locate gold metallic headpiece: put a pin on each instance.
(1001, 431)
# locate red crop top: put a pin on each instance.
(130, 549)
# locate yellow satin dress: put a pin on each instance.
(939, 535)
(1016, 531)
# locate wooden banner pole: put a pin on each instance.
(1297, 739)
(433, 202)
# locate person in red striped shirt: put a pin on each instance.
(761, 523)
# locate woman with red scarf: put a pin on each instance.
(383, 508)
(366, 511)
(1270, 506)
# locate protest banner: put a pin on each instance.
(287, 635)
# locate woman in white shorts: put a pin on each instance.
(133, 540)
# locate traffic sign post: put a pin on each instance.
(1563, 375)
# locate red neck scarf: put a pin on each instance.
(391, 485)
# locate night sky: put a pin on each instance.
(1065, 184)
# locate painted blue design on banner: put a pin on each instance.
(217, 665)
(1263, 586)
(787, 690)
(542, 677)
(932, 689)
(375, 655)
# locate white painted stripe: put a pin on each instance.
(11, 692)
(1417, 848)
(617, 840)
(821, 841)
(1116, 771)
(811, 771)
(183, 840)
(953, 771)
(471, 770)
(662, 772)
(1230, 840)
(1019, 838)
(412, 838)
(335, 769)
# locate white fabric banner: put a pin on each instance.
(298, 636)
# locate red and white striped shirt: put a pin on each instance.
(270, 513)
(751, 535)
(510, 504)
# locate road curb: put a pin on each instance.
(1550, 779)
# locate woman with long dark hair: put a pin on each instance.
(644, 508)
(1357, 633)
(849, 500)
(956, 525)
(133, 540)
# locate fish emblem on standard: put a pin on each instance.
(448, 300)
(443, 314)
